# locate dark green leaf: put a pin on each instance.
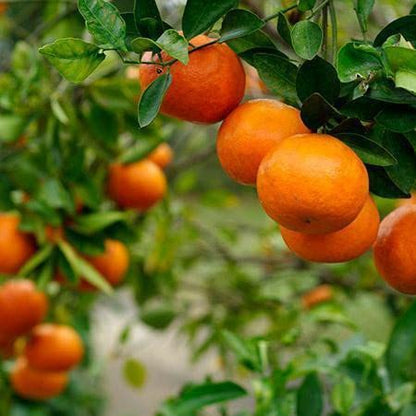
(284, 29)
(148, 19)
(151, 99)
(73, 58)
(401, 348)
(238, 23)
(200, 15)
(353, 63)
(382, 185)
(363, 108)
(141, 45)
(406, 26)
(318, 76)
(316, 112)
(363, 9)
(174, 45)
(411, 138)
(307, 39)
(89, 245)
(368, 150)
(104, 22)
(157, 316)
(103, 125)
(309, 397)
(384, 90)
(278, 74)
(413, 10)
(131, 28)
(98, 221)
(305, 5)
(54, 193)
(255, 40)
(397, 118)
(350, 125)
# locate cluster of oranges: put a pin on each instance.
(47, 351)
(312, 184)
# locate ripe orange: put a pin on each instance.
(162, 155)
(21, 307)
(205, 90)
(36, 385)
(316, 296)
(395, 249)
(53, 347)
(16, 247)
(250, 132)
(312, 183)
(139, 185)
(339, 246)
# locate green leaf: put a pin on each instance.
(368, 150)
(151, 99)
(83, 268)
(401, 348)
(382, 185)
(353, 63)
(317, 76)
(158, 316)
(402, 63)
(363, 9)
(406, 80)
(343, 395)
(200, 15)
(239, 23)
(148, 19)
(279, 75)
(197, 397)
(384, 90)
(89, 245)
(73, 58)
(401, 396)
(397, 118)
(316, 112)
(174, 45)
(103, 124)
(12, 127)
(139, 150)
(406, 26)
(305, 5)
(53, 193)
(362, 108)
(141, 45)
(309, 397)
(98, 221)
(130, 21)
(253, 41)
(307, 39)
(284, 29)
(134, 373)
(104, 22)
(36, 260)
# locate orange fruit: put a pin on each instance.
(395, 249)
(250, 132)
(312, 183)
(205, 90)
(21, 307)
(254, 85)
(162, 155)
(139, 185)
(16, 247)
(316, 296)
(339, 246)
(3, 7)
(53, 347)
(34, 384)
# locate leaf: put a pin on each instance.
(353, 63)
(83, 268)
(200, 15)
(98, 221)
(363, 108)
(343, 395)
(368, 150)
(141, 45)
(402, 63)
(401, 348)
(401, 396)
(103, 124)
(307, 39)
(151, 99)
(279, 75)
(73, 58)
(405, 25)
(317, 76)
(140, 150)
(239, 23)
(197, 397)
(384, 90)
(397, 118)
(382, 185)
(148, 20)
(134, 373)
(363, 9)
(104, 22)
(157, 316)
(89, 245)
(284, 29)
(309, 397)
(174, 45)
(53, 193)
(129, 20)
(36, 260)
(316, 112)
(255, 40)
(305, 5)
(12, 127)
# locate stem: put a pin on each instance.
(274, 15)
(318, 9)
(334, 30)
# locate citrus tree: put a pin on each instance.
(90, 95)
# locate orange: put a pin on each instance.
(16, 247)
(162, 155)
(21, 307)
(3, 7)
(339, 246)
(205, 90)
(316, 296)
(395, 249)
(250, 132)
(36, 385)
(255, 87)
(53, 347)
(139, 185)
(312, 183)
